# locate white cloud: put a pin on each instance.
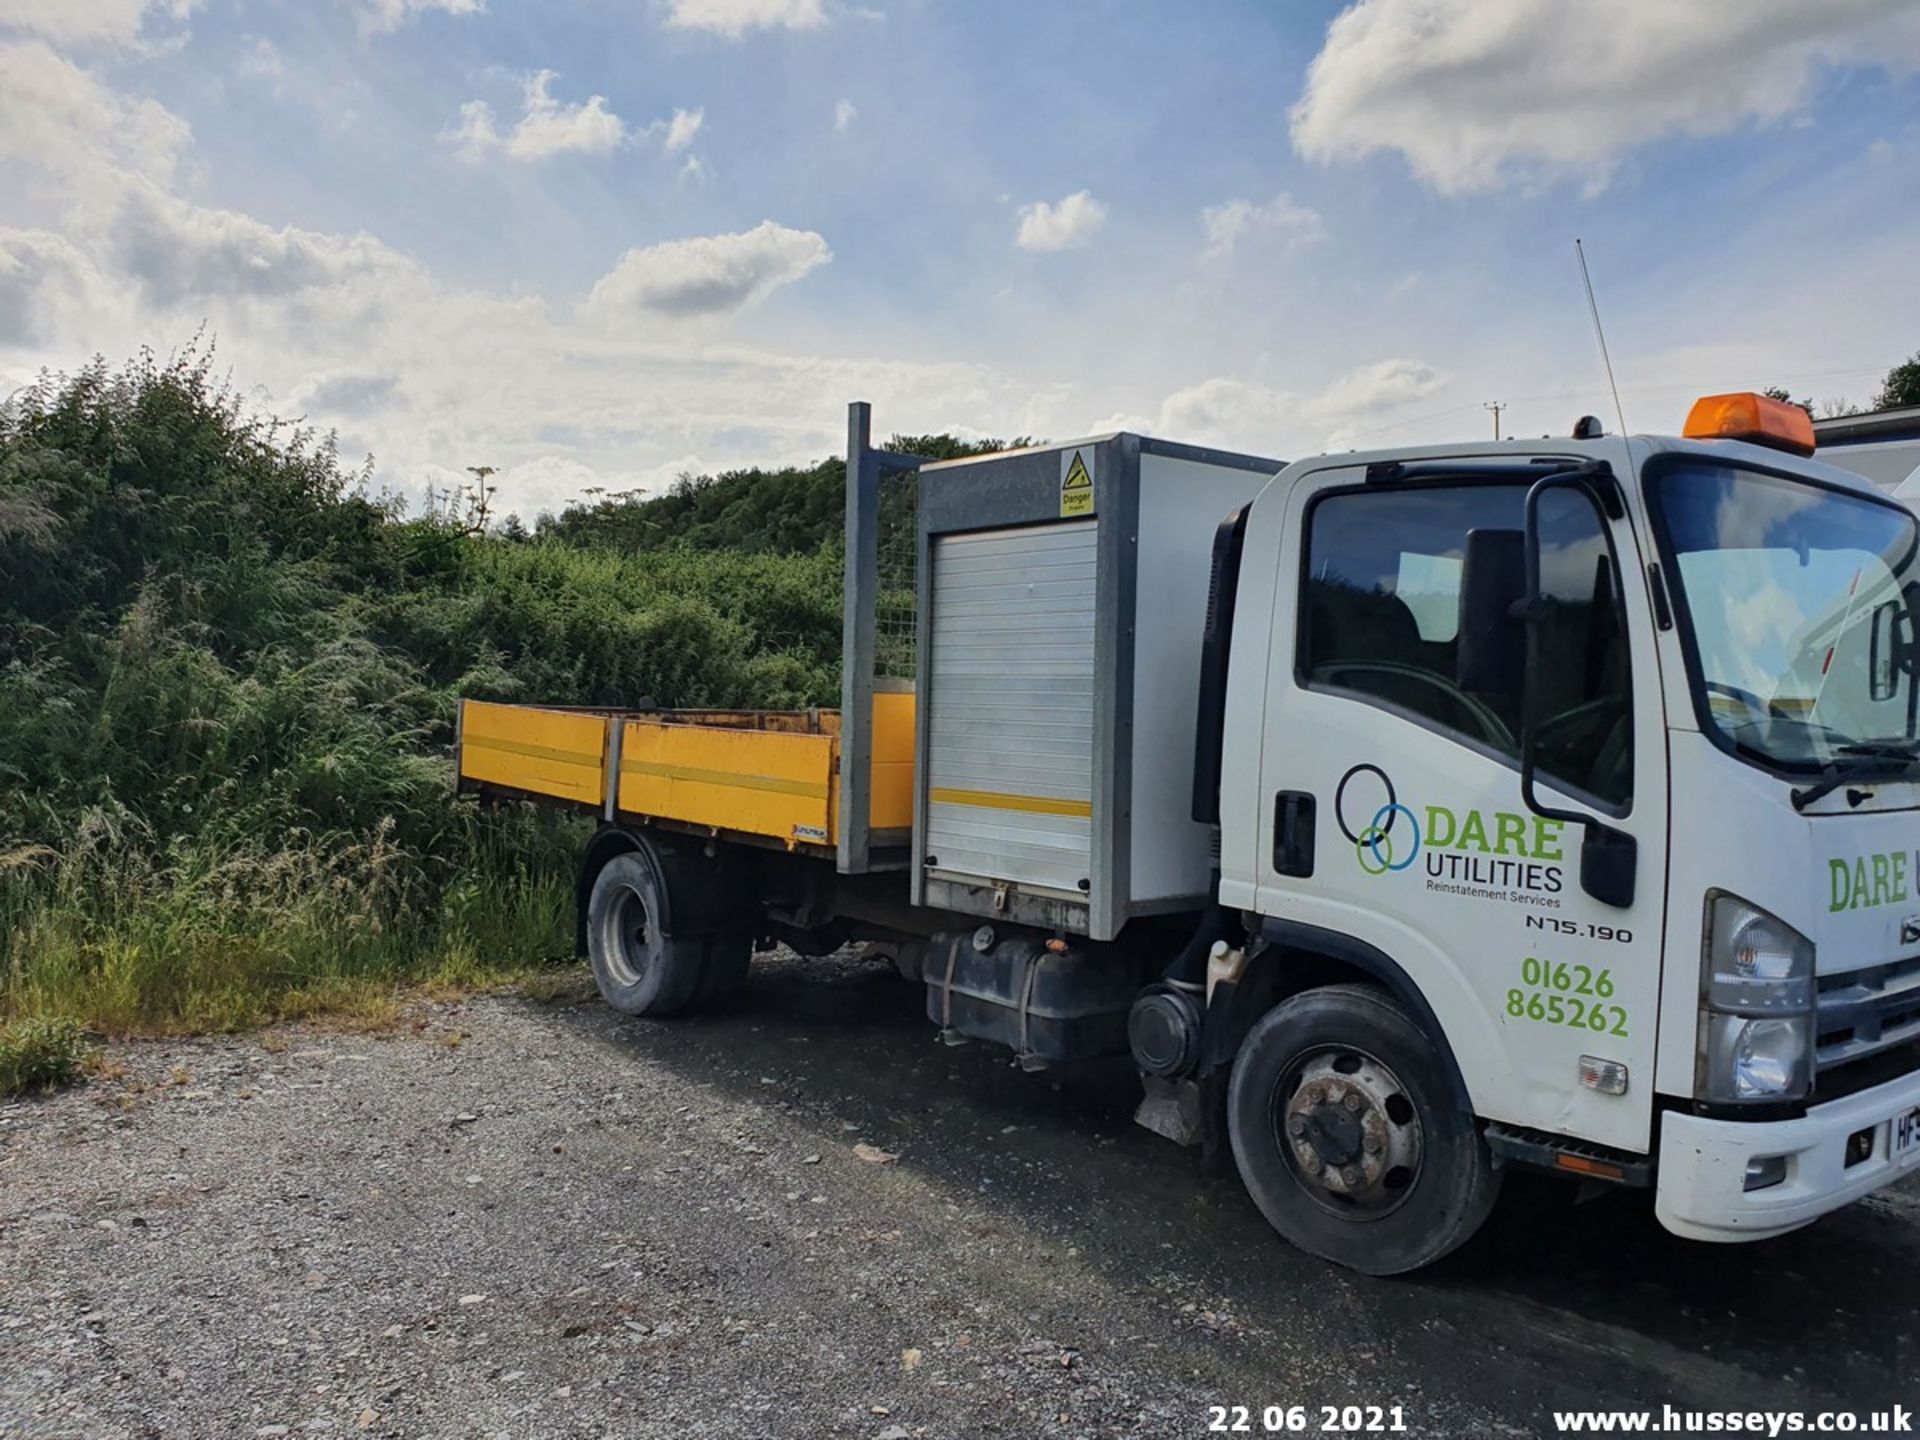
(263, 62)
(73, 24)
(546, 484)
(345, 394)
(1255, 417)
(1374, 388)
(845, 112)
(1279, 226)
(1226, 410)
(44, 280)
(1067, 225)
(383, 17)
(710, 275)
(1475, 95)
(63, 123)
(546, 127)
(178, 252)
(682, 129)
(733, 18)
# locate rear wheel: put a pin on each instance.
(1347, 1135)
(645, 945)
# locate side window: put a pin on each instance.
(1407, 598)
(1584, 686)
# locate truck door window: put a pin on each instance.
(1584, 686)
(1382, 615)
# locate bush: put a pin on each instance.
(227, 686)
(228, 676)
(40, 1054)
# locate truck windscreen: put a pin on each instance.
(1796, 603)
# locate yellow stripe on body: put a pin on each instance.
(1028, 804)
(586, 759)
(731, 779)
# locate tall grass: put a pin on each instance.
(228, 675)
(203, 935)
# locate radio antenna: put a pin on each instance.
(1600, 334)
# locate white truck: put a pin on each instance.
(1407, 816)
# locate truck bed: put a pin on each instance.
(759, 775)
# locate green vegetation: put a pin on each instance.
(787, 511)
(40, 1054)
(1900, 388)
(1902, 385)
(228, 675)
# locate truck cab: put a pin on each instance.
(1590, 768)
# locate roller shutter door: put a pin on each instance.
(1010, 723)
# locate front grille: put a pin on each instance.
(1864, 1013)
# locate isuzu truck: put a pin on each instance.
(1406, 816)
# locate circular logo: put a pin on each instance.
(1376, 848)
(1372, 792)
(1367, 791)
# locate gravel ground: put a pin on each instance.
(527, 1218)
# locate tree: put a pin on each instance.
(1785, 397)
(1828, 409)
(786, 511)
(1901, 387)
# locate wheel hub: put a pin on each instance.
(626, 954)
(1351, 1132)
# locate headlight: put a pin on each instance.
(1756, 1005)
(1755, 964)
(1750, 1059)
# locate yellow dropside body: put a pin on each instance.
(771, 774)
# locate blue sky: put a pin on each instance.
(598, 242)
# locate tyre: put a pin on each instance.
(641, 968)
(1347, 1134)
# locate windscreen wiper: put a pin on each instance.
(1881, 749)
(1859, 760)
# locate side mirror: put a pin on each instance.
(1492, 652)
(1609, 857)
(1887, 646)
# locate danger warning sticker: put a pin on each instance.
(1076, 483)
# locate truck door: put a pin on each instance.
(1392, 817)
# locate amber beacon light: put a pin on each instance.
(1756, 418)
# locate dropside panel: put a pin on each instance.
(560, 754)
(892, 794)
(757, 782)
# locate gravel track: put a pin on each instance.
(525, 1218)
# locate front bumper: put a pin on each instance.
(1701, 1186)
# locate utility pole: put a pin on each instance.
(1496, 406)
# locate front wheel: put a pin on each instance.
(1347, 1135)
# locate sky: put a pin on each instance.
(597, 244)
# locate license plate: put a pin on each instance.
(1906, 1133)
